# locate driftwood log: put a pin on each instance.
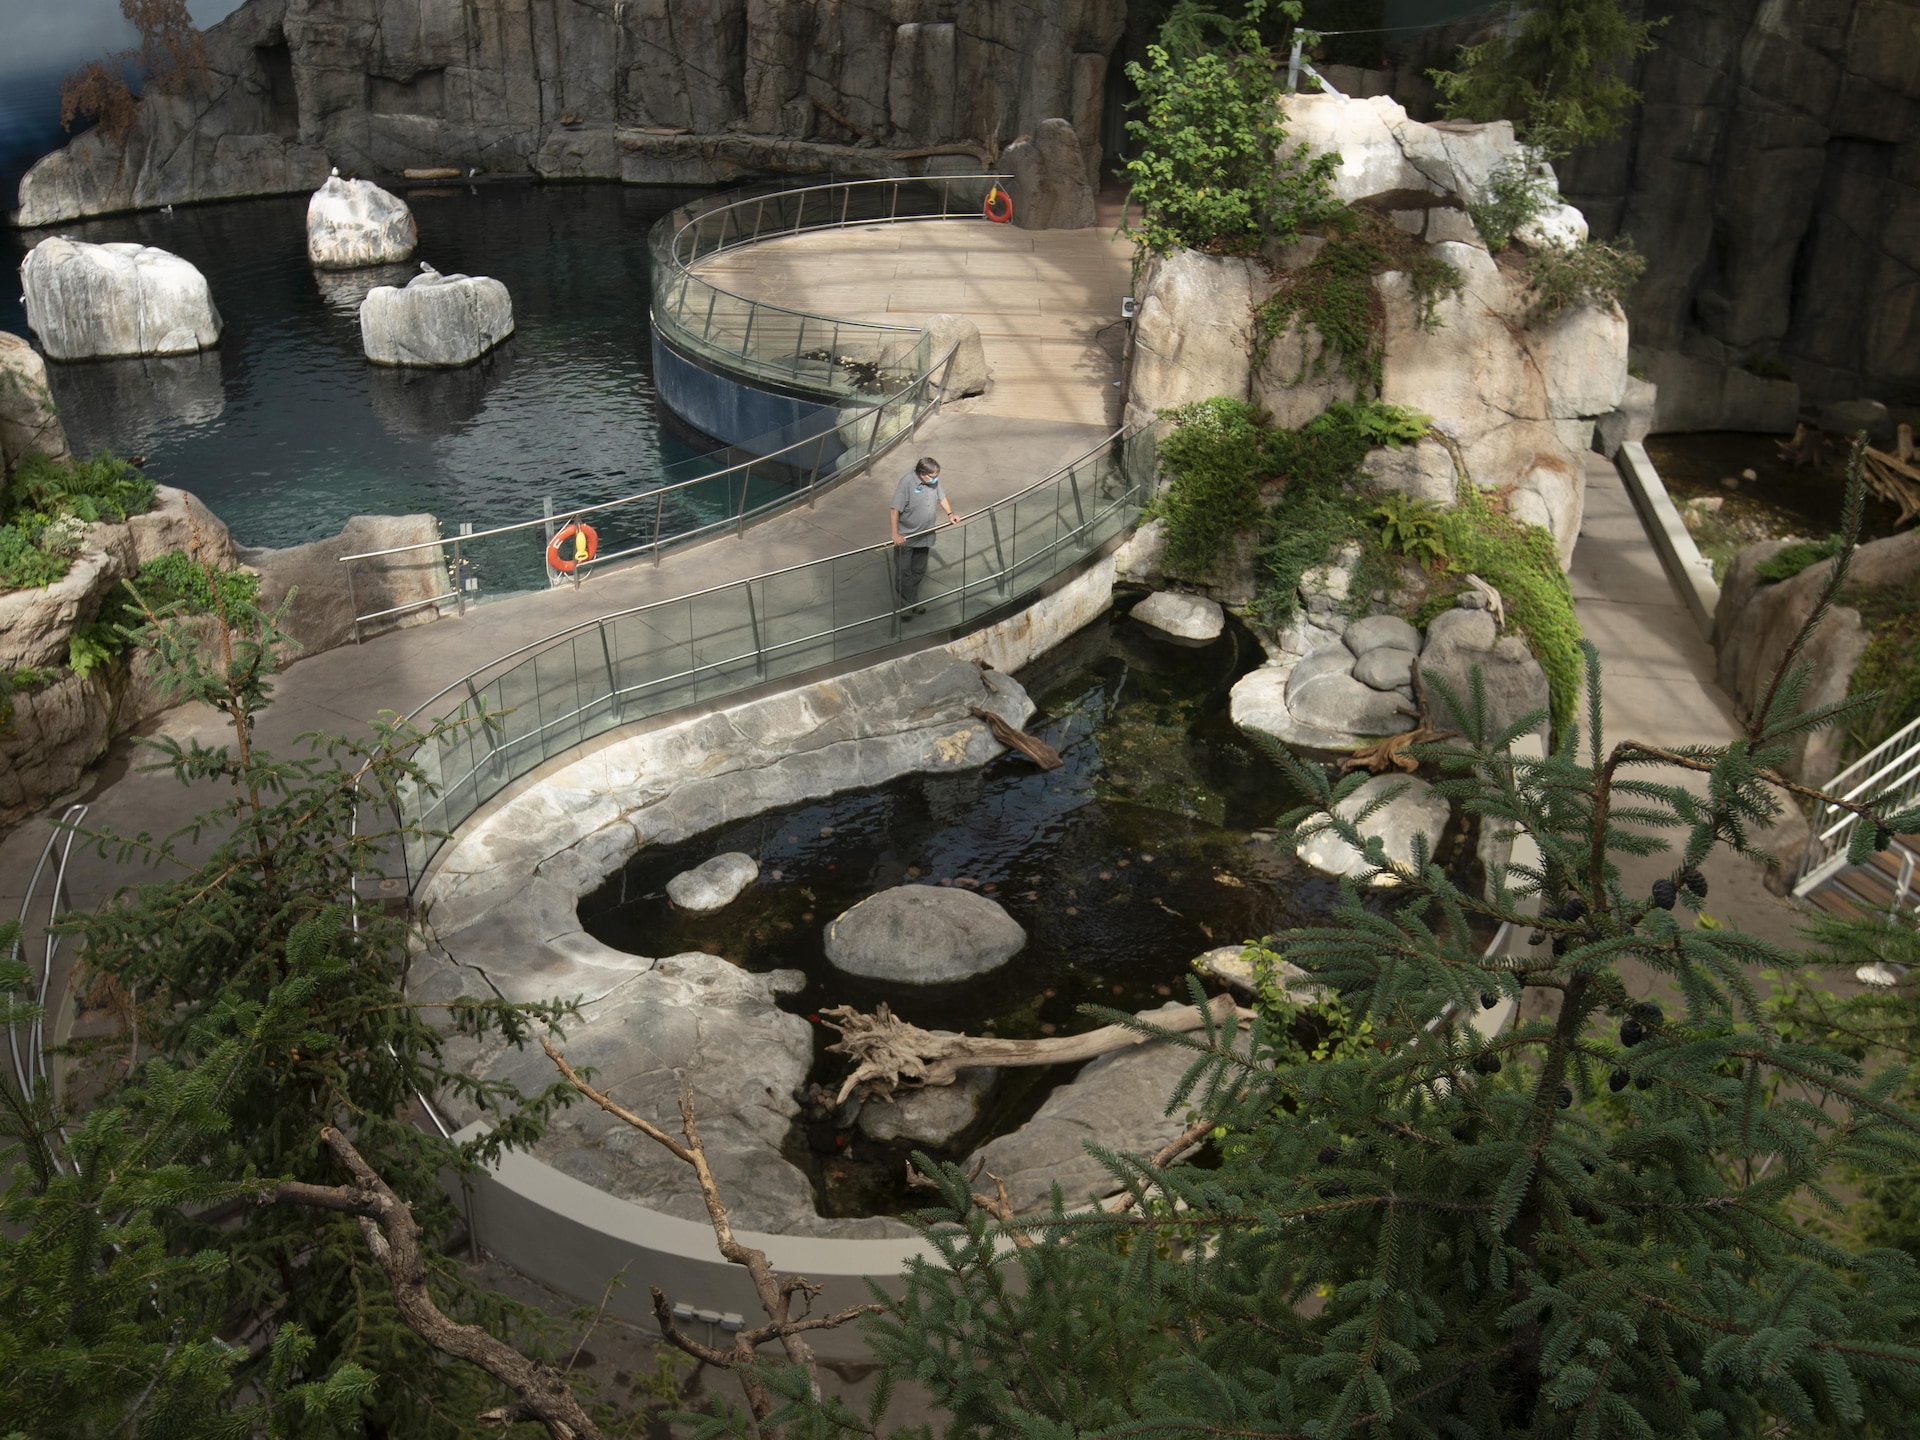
(890, 1054)
(1036, 750)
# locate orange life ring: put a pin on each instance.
(999, 206)
(573, 547)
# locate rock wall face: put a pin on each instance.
(549, 86)
(1519, 395)
(1771, 176)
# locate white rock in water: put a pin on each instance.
(351, 223)
(87, 301)
(1417, 810)
(1190, 617)
(713, 884)
(435, 319)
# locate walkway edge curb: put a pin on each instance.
(1689, 571)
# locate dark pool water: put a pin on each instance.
(286, 430)
(1781, 500)
(1150, 846)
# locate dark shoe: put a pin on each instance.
(918, 610)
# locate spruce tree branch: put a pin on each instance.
(542, 1393)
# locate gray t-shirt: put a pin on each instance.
(919, 507)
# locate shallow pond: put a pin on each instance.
(285, 429)
(1150, 846)
(1780, 500)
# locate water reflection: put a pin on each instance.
(286, 430)
(140, 403)
(413, 401)
(343, 290)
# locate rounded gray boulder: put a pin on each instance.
(713, 884)
(923, 935)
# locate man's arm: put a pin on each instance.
(893, 520)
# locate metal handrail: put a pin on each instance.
(861, 454)
(680, 243)
(583, 627)
(1897, 779)
(30, 1060)
(597, 700)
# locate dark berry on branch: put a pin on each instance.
(1561, 944)
(1618, 1081)
(1487, 1063)
(1334, 1189)
(1580, 1206)
(1461, 1130)
(1630, 1032)
(1488, 999)
(1647, 1012)
(1882, 837)
(1537, 937)
(1566, 1096)
(1664, 894)
(1643, 1082)
(1574, 908)
(1329, 1155)
(1694, 883)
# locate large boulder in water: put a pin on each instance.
(351, 223)
(88, 301)
(435, 319)
(923, 935)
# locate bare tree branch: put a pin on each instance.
(775, 1293)
(542, 1393)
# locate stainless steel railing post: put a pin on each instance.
(353, 604)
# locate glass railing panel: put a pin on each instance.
(726, 640)
(797, 610)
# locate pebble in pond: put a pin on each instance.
(1048, 1027)
(826, 832)
(1073, 909)
(1106, 874)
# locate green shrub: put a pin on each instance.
(1412, 527)
(1559, 79)
(46, 506)
(1587, 273)
(1213, 171)
(1796, 556)
(1516, 193)
(1215, 460)
(171, 584)
(1335, 293)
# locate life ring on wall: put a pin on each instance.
(573, 547)
(999, 206)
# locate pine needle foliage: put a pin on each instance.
(1580, 1225)
(257, 892)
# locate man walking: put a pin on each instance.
(918, 501)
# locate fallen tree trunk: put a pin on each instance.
(888, 1053)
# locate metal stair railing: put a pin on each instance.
(1889, 771)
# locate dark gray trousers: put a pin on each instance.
(909, 569)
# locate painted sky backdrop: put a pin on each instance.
(44, 40)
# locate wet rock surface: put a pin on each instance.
(924, 935)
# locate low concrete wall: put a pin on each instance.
(574, 1237)
(734, 412)
(1692, 576)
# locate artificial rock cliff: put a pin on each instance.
(1771, 175)
(682, 91)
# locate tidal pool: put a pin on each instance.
(1150, 846)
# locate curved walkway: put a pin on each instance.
(986, 454)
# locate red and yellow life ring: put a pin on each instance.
(573, 547)
(999, 206)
